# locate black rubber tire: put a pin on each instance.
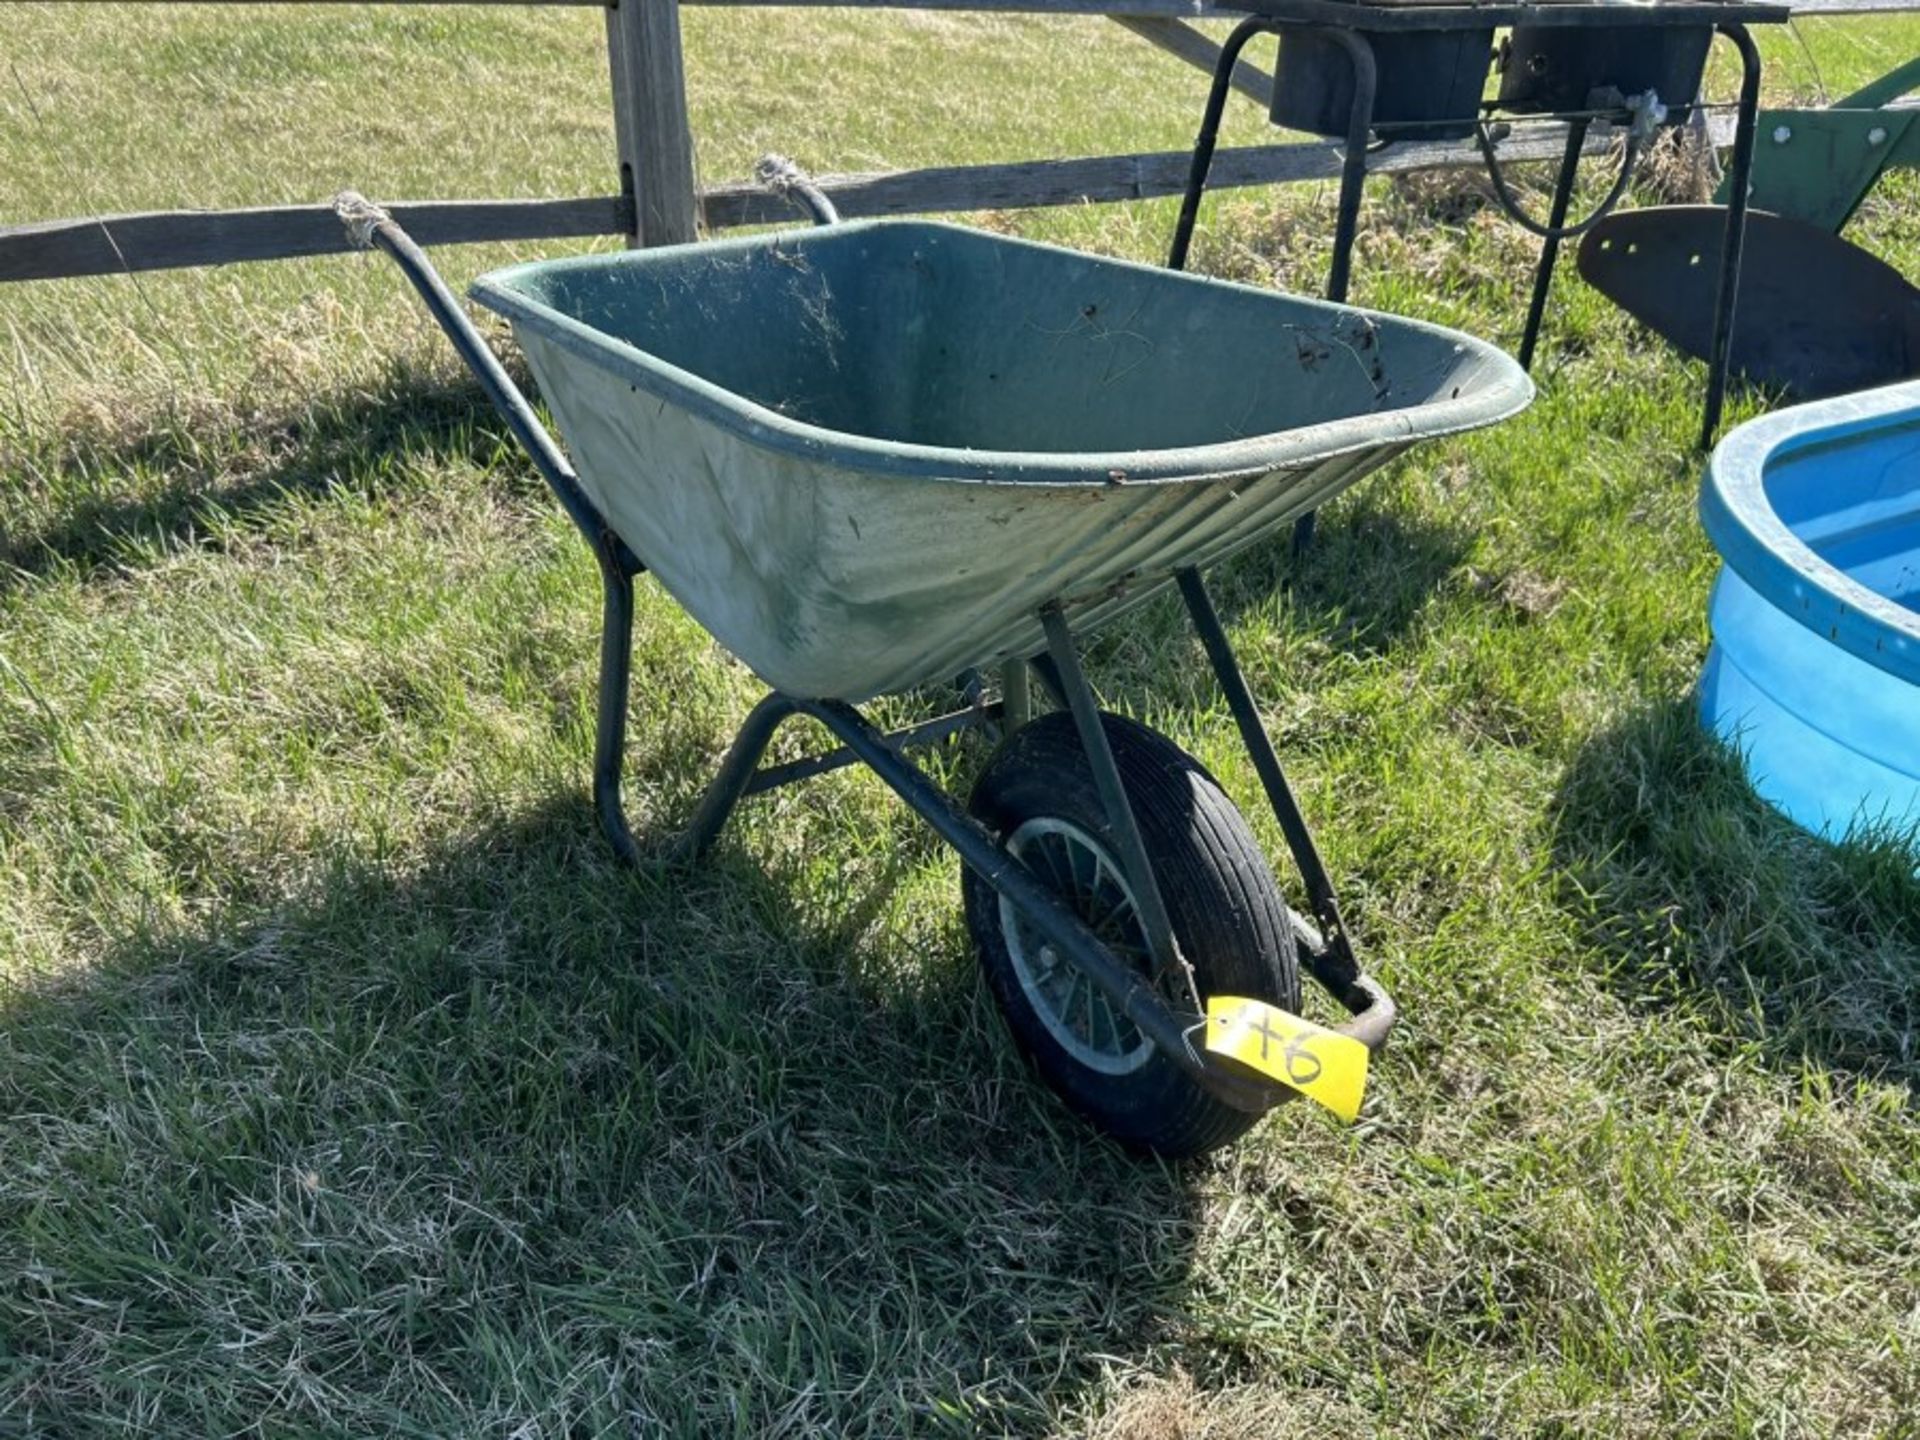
(1226, 912)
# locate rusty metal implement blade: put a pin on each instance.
(1817, 315)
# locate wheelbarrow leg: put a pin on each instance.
(616, 670)
(1016, 695)
(735, 775)
(1332, 959)
(368, 226)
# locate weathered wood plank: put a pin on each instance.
(1177, 37)
(163, 240)
(175, 239)
(1118, 177)
(651, 124)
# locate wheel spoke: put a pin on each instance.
(1051, 847)
(1078, 1012)
(1104, 1012)
(1108, 894)
(1087, 882)
(1066, 980)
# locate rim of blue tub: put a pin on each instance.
(1759, 547)
(1505, 390)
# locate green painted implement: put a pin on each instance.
(1817, 165)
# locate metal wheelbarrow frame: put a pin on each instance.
(1322, 943)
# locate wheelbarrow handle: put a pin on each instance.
(1372, 1020)
(780, 176)
(370, 227)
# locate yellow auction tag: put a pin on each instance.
(1321, 1064)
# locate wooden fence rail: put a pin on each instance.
(168, 240)
(658, 203)
(1117, 177)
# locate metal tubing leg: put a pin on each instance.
(1724, 316)
(610, 730)
(1550, 247)
(1016, 695)
(1353, 168)
(367, 225)
(735, 775)
(1113, 799)
(1209, 137)
(1131, 992)
(1334, 965)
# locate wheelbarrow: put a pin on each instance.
(876, 456)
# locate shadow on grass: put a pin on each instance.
(156, 478)
(1698, 891)
(1363, 580)
(1361, 585)
(522, 1138)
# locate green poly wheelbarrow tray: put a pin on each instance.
(865, 456)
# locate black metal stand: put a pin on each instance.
(1348, 26)
(1353, 168)
(1733, 240)
(1741, 182)
(1550, 247)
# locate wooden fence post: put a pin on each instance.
(650, 119)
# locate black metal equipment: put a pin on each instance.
(1418, 71)
(1428, 83)
(1549, 70)
(1819, 315)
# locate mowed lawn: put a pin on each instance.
(348, 1087)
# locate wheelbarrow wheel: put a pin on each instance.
(1038, 795)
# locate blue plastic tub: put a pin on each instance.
(1815, 667)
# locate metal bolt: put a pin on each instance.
(1877, 135)
(1782, 134)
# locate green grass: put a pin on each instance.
(348, 1087)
